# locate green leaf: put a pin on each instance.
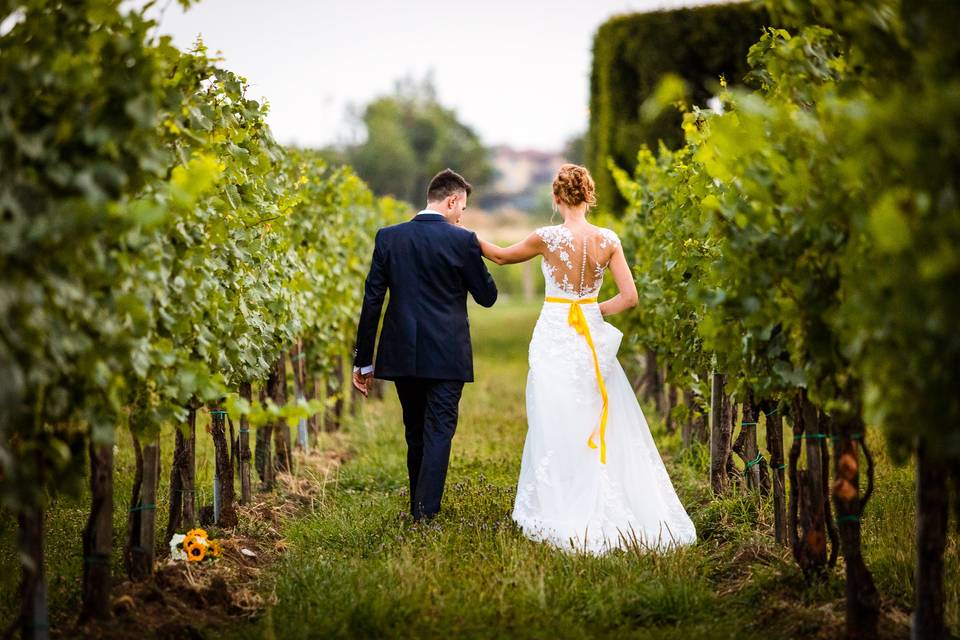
(888, 224)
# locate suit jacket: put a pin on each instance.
(429, 266)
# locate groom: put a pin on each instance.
(428, 264)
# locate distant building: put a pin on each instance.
(522, 179)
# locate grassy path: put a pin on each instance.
(356, 569)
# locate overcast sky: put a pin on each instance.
(517, 71)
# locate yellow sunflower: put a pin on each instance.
(197, 532)
(215, 548)
(196, 553)
(193, 540)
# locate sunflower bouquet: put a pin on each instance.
(194, 546)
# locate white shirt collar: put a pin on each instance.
(430, 211)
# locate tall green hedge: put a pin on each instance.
(630, 55)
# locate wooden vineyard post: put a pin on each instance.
(927, 620)
(699, 412)
(34, 617)
(670, 402)
(140, 551)
(747, 448)
(728, 417)
(224, 511)
(686, 429)
(151, 478)
(234, 448)
(862, 599)
(246, 491)
(700, 427)
(704, 405)
(694, 427)
(266, 468)
(650, 387)
(807, 516)
(333, 411)
(98, 535)
(281, 431)
(774, 429)
(263, 456)
(660, 397)
(826, 422)
(297, 359)
(183, 494)
(720, 433)
(638, 376)
(314, 393)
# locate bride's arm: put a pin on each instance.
(522, 251)
(626, 297)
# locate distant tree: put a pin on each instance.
(332, 155)
(409, 137)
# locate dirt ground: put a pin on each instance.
(184, 598)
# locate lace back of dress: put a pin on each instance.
(576, 261)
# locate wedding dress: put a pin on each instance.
(584, 485)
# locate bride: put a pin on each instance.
(591, 478)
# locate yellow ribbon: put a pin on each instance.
(579, 323)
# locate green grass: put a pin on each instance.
(355, 567)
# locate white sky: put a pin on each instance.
(517, 71)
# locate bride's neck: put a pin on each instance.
(574, 215)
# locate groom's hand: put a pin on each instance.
(362, 382)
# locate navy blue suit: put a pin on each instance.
(429, 266)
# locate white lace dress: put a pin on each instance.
(566, 496)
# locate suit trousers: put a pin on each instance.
(430, 412)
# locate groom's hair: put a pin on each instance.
(445, 184)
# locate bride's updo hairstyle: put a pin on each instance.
(574, 186)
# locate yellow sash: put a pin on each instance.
(579, 322)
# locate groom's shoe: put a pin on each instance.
(420, 515)
(424, 519)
